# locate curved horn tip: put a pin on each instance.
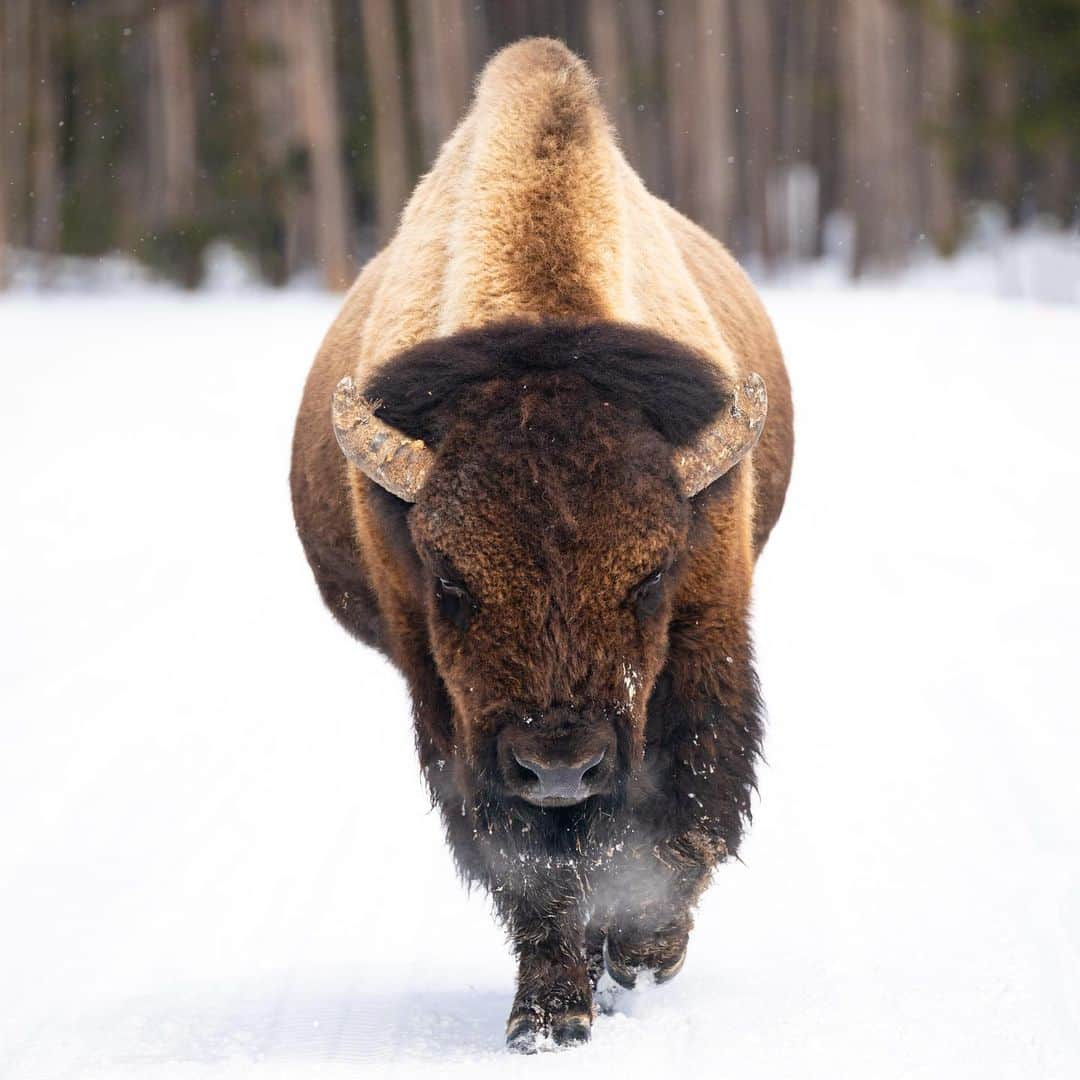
(345, 388)
(384, 454)
(751, 399)
(346, 397)
(726, 442)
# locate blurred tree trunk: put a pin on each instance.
(878, 132)
(999, 78)
(310, 32)
(715, 134)
(44, 158)
(646, 84)
(1003, 164)
(610, 62)
(825, 121)
(796, 54)
(682, 63)
(170, 118)
(4, 272)
(279, 142)
(938, 70)
(701, 113)
(15, 59)
(392, 172)
(756, 65)
(443, 60)
(294, 91)
(794, 194)
(1057, 191)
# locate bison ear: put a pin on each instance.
(727, 440)
(378, 450)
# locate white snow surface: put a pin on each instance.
(218, 859)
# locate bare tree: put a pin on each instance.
(825, 139)
(293, 90)
(4, 274)
(682, 63)
(310, 31)
(392, 172)
(646, 64)
(936, 49)
(609, 56)
(267, 58)
(757, 108)
(443, 60)
(716, 176)
(794, 204)
(1056, 179)
(1002, 162)
(701, 113)
(878, 131)
(172, 158)
(15, 59)
(44, 158)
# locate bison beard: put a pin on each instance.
(612, 881)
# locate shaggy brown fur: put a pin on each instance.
(553, 333)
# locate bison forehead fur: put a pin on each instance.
(551, 499)
(542, 359)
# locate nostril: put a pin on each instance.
(527, 771)
(592, 768)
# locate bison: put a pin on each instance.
(532, 467)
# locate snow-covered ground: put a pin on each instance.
(210, 869)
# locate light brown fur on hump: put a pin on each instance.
(539, 233)
(531, 211)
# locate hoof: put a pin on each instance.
(524, 1037)
(571, 1030)
(670, 970)
(626, 975)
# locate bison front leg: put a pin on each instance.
(554, 996)
(650, 930)
(656, 950)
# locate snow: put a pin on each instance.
(218, 858)
(1039, 262)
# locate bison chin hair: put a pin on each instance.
(527, 833)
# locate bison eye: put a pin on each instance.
(647, 594)
(454, 602)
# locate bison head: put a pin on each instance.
(543, 478)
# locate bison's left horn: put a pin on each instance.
(727, 440)
(378, 450)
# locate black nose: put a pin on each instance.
(559, 785)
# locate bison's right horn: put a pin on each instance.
(378, 450)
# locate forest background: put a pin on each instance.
(294, 130)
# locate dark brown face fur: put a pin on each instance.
(545, 620)
(546, 543)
